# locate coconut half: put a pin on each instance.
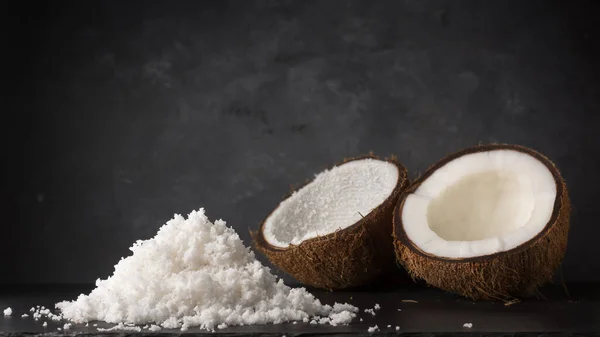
(335, 231)
(489, 222)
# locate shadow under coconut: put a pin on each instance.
(386, 282)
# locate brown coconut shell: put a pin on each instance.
(347, 258)
(504, 275)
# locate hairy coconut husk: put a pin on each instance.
(347, 258)
(503, 275)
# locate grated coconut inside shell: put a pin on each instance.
(194, 273)
(334, 200)
(480, 204)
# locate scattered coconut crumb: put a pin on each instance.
(95, 324)
(373, 328)
(397, 328)
(370, 311)
(377, 306)
(45, 324)
(399, 309)
(32, 309)
(194, 253)
(361, 319)
(67, 326)
(468, 325)
(294, 322)
(24, 315)
(87, 324)
(59, 329)
(389, 326)
(8, 311)
(154, 328)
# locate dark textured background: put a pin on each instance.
(117, 115)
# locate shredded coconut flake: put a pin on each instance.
(194, 273)
(468, 325)
(24, 315)
(8, 311)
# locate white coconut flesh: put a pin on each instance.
(480, 204)
(334, 200)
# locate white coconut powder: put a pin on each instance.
(154, 328)
(121, 327)
(194, 273)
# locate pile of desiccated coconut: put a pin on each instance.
(194, 273)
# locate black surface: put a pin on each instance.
(118, 114)
(436, 313)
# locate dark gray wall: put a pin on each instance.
(119, 115)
